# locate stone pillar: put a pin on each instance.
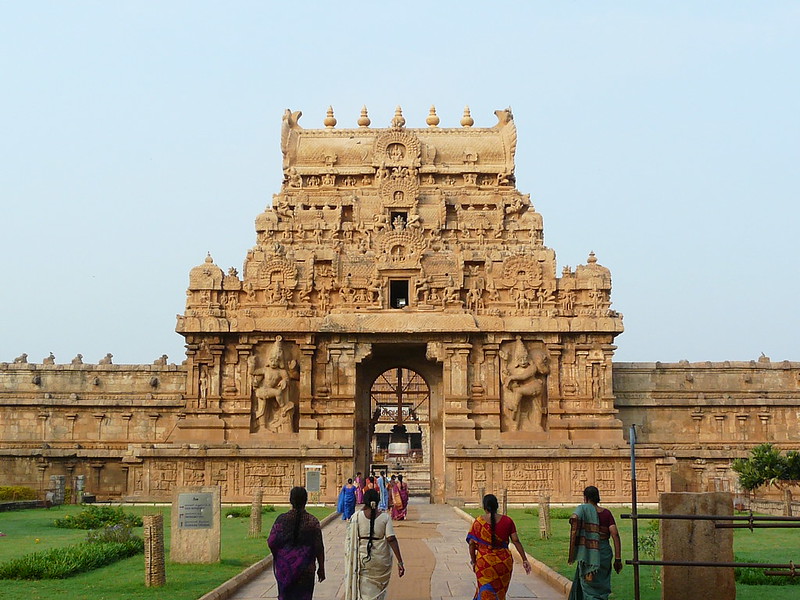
(697, 541)
(255, 514)
(308, 424)
(458, 426)
(544, 517)
(80, 485)
(154, 573)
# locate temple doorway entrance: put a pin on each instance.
(398, 399)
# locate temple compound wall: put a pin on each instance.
(399, 310)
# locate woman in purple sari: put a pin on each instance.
(359, 481)
(296, 544)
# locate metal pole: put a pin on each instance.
(635, 520)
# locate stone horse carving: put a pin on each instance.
(273, 407)
(525, 378)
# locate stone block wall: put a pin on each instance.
(706, 414)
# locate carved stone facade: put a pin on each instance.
(393, 255)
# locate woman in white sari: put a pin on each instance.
(369, 545)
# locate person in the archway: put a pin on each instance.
(488, 551)
(384, 491)
(403, 486)
(347, 500)
(591, 526)
(296, 544)
(369, 545)
(396, 499)
(359, 483)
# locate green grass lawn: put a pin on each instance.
(764, 545)
(32, 530)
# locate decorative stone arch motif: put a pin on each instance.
(399, 191)
(400, 246)
(277, 269)
(522, 266)
(397, 148)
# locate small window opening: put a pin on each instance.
(399, 217)
(398, 291)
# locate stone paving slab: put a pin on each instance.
(442, 542)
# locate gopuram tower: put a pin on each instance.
(401, 310)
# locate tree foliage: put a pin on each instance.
(767, 466)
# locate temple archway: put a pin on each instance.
(399, 397)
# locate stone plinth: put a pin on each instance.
(697, 541)
(195, 525)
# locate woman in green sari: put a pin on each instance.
(591, 527)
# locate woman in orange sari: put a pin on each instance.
(369, 485)
(398, 507)
(488, 551)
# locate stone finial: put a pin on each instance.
(592, 258)
(363, 120)
(467, 120)
(433, 118)
(398, 121)
(209, 259)
(330, 120)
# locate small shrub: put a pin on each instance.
(119, 533)
(59, 563)
(555, 513)
(755, 576)
(96, 517)
(12, 493)
(243, 512)
(649, 547)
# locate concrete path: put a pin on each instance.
(435, 554)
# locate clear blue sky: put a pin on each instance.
(137, 136)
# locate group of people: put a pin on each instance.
(371, 545)
(393, 493)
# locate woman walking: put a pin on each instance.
(296, 544)
(396, 500)
(591, 526)
(359, 483)
(369, 546)
(488, 551)
(403, 494)
(347, 500)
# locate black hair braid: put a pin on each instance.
(298, 516)
(371, 498)
(298, 498)
(490, 505)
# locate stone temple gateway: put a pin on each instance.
(399, 308)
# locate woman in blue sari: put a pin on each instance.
(591, 527)
(347, 500)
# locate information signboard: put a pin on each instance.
(196, 511)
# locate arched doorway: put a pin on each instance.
(398, 385)
(399, 422)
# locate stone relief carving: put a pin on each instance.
(273, 407)
(525, 396)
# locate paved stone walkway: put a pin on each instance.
(435, 554)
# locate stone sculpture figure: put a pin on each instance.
(525, 379)
(78, 360)
(21, 359)
(106, 360)
(273, 407)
